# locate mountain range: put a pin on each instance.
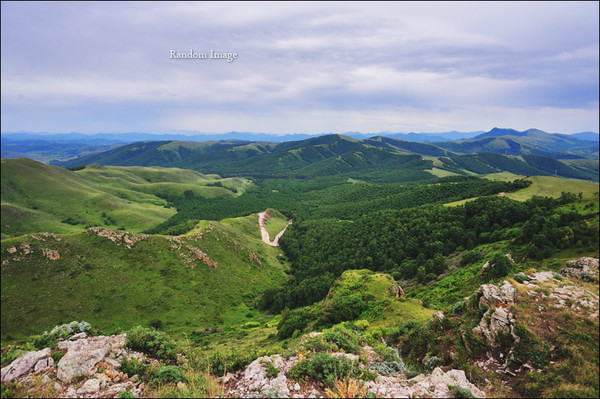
(380, 158)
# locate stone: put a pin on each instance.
(31, 361)
(582, 268)
(583, 263)
(90, 386)
(541, 276)
(84, 354)
(77, 336)
(438, 316)
(492, 295)
(79, 363)
(501, 319)
(43, 365)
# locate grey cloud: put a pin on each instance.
(316, 58)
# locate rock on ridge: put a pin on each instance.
(498, 317)
(83, 355)
(37, 361)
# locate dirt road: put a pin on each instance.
(265, 234)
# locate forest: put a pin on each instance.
(399, 229)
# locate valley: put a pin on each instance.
(311, 264)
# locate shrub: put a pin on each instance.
(459, 392)
(134, 367)
(343, 339)
(152, 342)
(167, 374)
(219, 362)
(499, 267)
(156, 323)
(470, 258)
(272, 371)
(60, 333)
(430, 362)
(57, 355)
(458, 308)
(317, 343)
(297, 319)
(327, 368)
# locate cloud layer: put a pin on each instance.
(302, 67)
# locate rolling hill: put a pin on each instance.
(375, 159)
(38, 197)
(528, 142)
(117, 279)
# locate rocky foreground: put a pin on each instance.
(90, 367)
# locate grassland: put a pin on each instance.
(190, 283)
(38, 197)
(550, 186)
(545, 186)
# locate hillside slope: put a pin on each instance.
(117, 279)
(38, 197)
(374, 159)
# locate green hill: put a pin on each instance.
(116, 279)
(529, 142)
(376, 159)
(38, 197)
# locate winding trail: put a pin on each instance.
(265, 234)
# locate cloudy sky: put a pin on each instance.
(301, 67)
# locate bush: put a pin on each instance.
(134, 367)
(219, 362)
(458, 392)
(392, 363)
(499, 267)
(430, 362)
(156, 323)
(343, 339)
(60, 333)
(458, 308)
(327, 368)
(152, 342)
(272, 371)
(167, 374)
(297, 319)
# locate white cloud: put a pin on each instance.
(302, 63)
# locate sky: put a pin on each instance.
(301, 67)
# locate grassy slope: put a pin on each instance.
(114, 287)
(38, 197)
(547, 186)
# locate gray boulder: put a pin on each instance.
(491, 295)
(37, 361)
(84, 354)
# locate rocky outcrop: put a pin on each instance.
(438, 384)
(88, 369)
(253, 382)
(582, 268)
(499, 320)
(126, 238)
(51, 254)
(31, 362)
(498, 317)
(83, 355)
(492, 295)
